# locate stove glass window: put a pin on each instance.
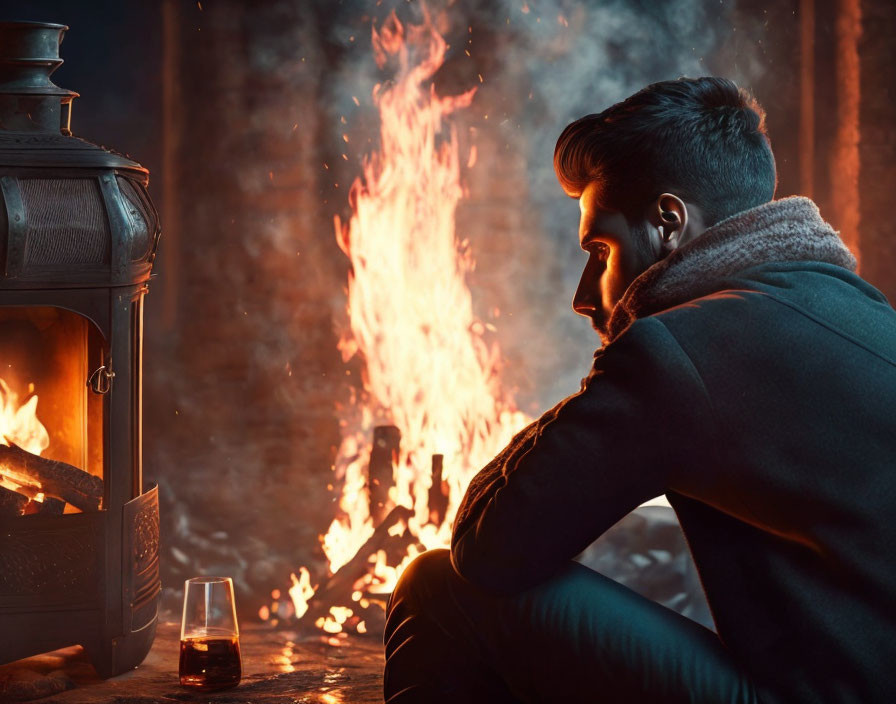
(51, 411)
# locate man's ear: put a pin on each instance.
(669, 215)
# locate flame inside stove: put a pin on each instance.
(19, 425)
(428, 366)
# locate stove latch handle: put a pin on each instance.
(100, 381)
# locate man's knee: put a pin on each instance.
(420, 594)
(424, 579)
(433, 653)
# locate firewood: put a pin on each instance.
(337, 589)
(12, 503)
(51, 507)
(383, 455)
(438, 493)
(48, 507)
(57, 479)
(21, 683)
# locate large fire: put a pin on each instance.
(429, 369)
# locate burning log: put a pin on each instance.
(12, 503)
(337, 590)
(383, 456)
(57, 479)
(48, 507)
(25, 499)
(438, 493)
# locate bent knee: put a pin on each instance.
(424, 578)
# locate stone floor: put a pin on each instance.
(644, 551)
(279, 667)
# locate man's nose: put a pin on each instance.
(587, 300)
(584, 304)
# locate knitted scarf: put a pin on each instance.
(789, 229)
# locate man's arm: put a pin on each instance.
(585, 464)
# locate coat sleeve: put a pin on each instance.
(585, 464)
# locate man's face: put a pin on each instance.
(617, 254)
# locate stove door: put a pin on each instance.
(52, 409)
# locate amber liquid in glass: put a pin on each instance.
(209, 663)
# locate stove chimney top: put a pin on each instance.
(34, 131)
(29, 100)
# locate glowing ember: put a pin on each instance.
(429, 370)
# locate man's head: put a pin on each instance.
(653, 172)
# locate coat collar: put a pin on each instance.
(789, 229)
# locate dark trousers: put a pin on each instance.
(579, 637)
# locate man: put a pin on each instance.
(749, 375)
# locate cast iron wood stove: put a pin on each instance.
(79, 538)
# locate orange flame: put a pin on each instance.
(429, 369)
(19, 425)
(301, 591)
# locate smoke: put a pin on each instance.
(550, 62)
(579, 58)
(538, 65)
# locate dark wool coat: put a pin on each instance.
(765, 410)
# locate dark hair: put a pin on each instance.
(703, 139)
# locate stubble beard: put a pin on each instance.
(641, 240)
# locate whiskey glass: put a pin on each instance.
(209, 635)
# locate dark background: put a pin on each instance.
(243, 378)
